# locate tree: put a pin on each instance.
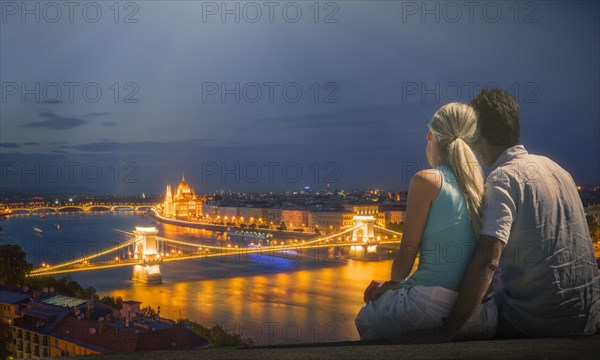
(218, 336)
(64, 285)
(115, 302)
(149, 311)
(13, 265)
(88, 293)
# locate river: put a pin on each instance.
(271, 300)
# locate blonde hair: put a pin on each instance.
(454, 129)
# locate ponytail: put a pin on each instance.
(469, 176)
(454, 128)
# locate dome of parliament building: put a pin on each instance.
(183, 187)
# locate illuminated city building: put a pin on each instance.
(184, 203)
(368, 209)
(10, 303)
(58, 326)
(394, 213)
(330, 220)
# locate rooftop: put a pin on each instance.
(9, 297)
(63, 301)
(106, 337)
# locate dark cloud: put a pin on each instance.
(32, 143)
(138, 146)
(371, 117)
(9, 145)
(56, 122)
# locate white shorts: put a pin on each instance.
(421, 307)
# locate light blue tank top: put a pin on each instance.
(448, 241)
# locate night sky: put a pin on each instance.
(125, 98)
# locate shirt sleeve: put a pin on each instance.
(499, 210)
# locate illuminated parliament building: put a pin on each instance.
(184, 203)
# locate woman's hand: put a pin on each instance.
(376, 289)
(372, 286)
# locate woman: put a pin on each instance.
(442, 226)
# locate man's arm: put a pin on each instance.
(499, 211)
(475, 286)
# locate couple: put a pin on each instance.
(527, 222)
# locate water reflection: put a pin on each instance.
(267, 298)
(307, 305)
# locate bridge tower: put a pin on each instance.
(146, 250)
(364, 237)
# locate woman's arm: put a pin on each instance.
(423, 189)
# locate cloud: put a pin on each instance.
(98, 113)
(109, 123)
(370, 117)
(56, 122)
(32, 143)
(9, 145)
(138, 146)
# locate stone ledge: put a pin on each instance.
(587, 347)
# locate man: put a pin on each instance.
(534, 230)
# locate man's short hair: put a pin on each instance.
(498, 116)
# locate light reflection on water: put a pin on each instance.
(269, 299)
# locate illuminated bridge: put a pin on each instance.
(87, 207)
(145, 251)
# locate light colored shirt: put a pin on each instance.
(550, 284)
(448, 242)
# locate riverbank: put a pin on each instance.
(587, 347)
(280, 234)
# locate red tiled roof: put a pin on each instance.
(176, 337)
(114, 338)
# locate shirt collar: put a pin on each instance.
(509, 154)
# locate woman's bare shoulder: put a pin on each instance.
(428, 176)
(428, 181)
